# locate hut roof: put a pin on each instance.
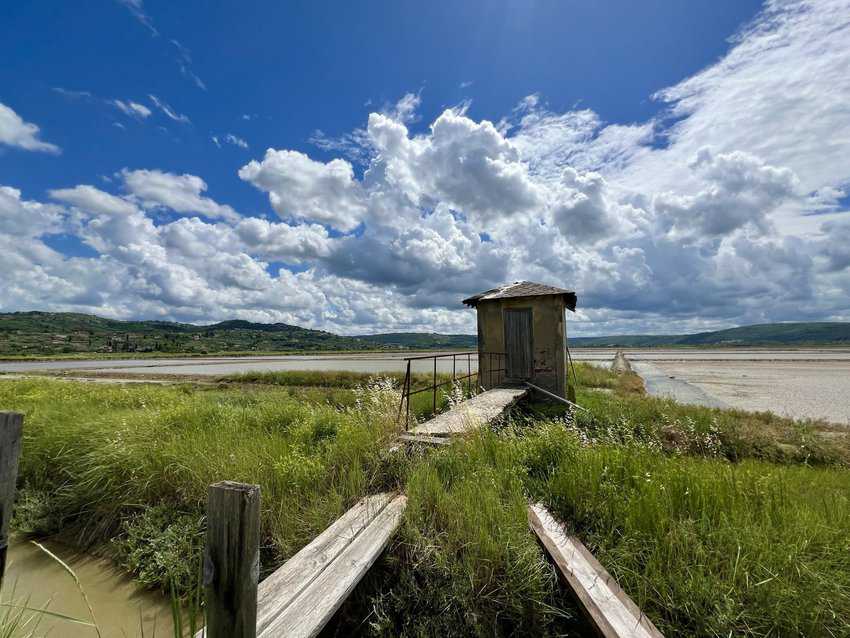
(522, 289)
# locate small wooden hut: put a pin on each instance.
(522, 335)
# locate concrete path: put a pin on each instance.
(470, 414)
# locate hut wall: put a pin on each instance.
(549, 339)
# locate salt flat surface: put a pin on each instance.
(798, 389)
(394, 361)
(797, 382)
(371, 362)
(661, 382)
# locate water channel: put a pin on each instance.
(121, 607)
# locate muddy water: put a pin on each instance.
(120, 606)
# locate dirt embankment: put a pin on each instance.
(621, 364)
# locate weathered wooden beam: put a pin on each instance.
(304, 615)
(427, 440)
(232, 560)
(281, 587)
(610, 610)
(11, 429)
(473, 412)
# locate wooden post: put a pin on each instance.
(232, 560)
(11, 428)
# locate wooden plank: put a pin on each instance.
(473, 412)
(283, 586)
(232, 560)
(11, 431)
(424, 439)
(313, 608)
(610, 610)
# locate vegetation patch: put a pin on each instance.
(716, 522)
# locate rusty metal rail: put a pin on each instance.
(495, 375)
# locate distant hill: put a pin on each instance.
(768, 334)
(62, 333)
(427, 340)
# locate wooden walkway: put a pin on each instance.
(302, 596)
(299, 598)
(610, 610)
(473, 412)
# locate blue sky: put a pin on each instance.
(669, 161)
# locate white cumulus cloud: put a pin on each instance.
(180, 193)
(302, 188)
(14, 131)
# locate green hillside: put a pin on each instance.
(623, 341)
(416, 340)
(768, 334)
(40, 333)
(62, 333)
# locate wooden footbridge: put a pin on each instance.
(301, 597)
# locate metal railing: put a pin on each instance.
(494, 370)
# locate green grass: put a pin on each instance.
(96, 458)
(705, 546)
(708, 547)
(734, 434)
(716, 522)
(421, 403)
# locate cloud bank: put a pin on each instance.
(728, 207)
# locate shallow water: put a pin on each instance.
(121, 607)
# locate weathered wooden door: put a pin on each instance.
(518, 344)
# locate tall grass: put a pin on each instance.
(707, 539)
(314, 378)
(708, 547)
(734, 434)
(97, 462)
(468, 564)
(422, 403)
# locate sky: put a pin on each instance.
(362, 167)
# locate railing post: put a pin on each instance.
(435, 385)
(232, 560)
(490, 370)
(454, 370)
(469, 372)
(403, 391)
(407, 411)
(11, 428)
